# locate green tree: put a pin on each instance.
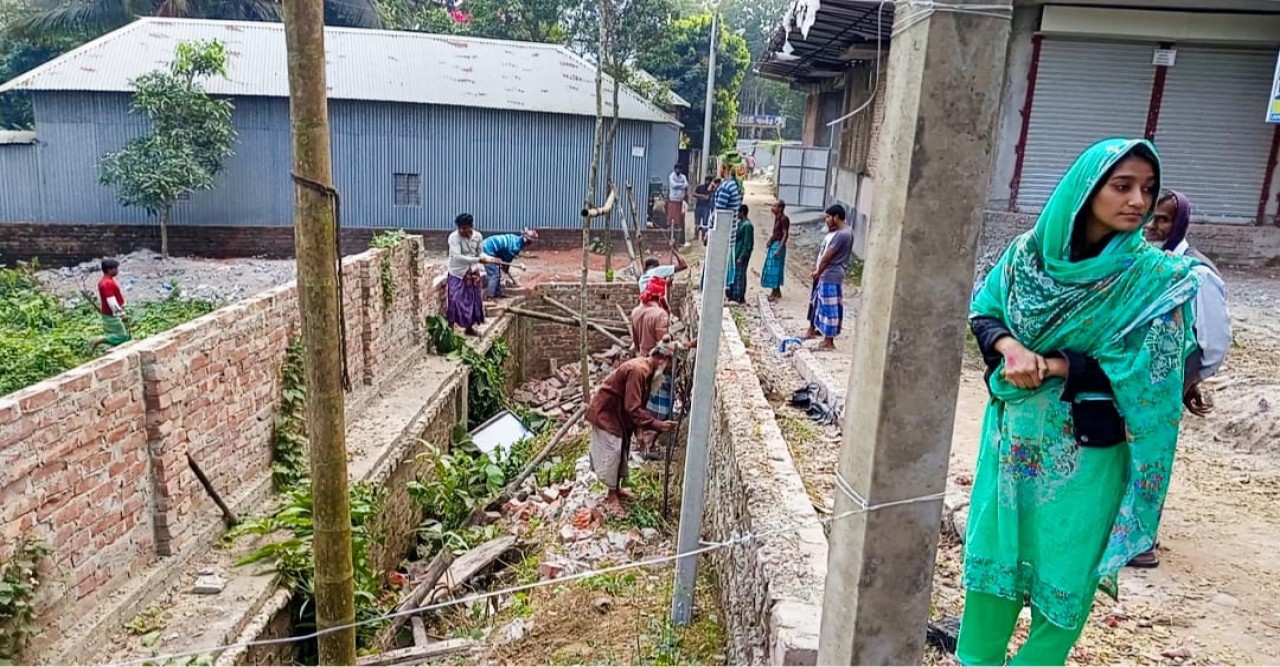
(680, 58)
(191, 135)
(518, 20)
(87, 19)
(756, 21)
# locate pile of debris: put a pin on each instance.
(561, 394)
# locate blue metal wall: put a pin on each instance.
(508, 168)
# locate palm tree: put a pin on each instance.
(90, 18)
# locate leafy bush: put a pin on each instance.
(456, 484)
(289, 433)
(19, 580)
(387, 240)
(42, 336)
(294, 560)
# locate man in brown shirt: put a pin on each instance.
(775, 259)
(616, 412)
(650, 320)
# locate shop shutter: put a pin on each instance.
(1212, 134)
(1085, 91)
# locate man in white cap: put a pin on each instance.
(505, 248)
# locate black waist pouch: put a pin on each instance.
(1097, 422)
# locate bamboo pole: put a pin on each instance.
(316, 239)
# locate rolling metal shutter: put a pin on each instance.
(1085, 91)
(1212, 137)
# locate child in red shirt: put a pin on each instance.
(111, 306)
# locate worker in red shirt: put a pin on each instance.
(111, 306)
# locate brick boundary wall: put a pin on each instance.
(94, 460)
(770, 589)
(68, 244)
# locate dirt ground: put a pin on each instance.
(146, 276)
(1214, 599)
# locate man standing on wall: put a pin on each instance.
(111, 307)
(654, 268)
(826, 301)
(677, 193)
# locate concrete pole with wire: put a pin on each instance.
(945, 75)
(716, 269)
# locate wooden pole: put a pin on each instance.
(315, 235)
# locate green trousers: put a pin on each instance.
(988, 623)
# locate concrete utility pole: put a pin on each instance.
(946, 71)
(315, 235)
(715, 270)
(711, 96)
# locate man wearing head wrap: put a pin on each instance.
(1168, 230)
(651, 320)
(616, 412)
(505, 248)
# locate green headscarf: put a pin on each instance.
(1128, 308)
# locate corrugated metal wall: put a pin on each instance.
(507, 168)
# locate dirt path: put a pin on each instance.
(1216, 596)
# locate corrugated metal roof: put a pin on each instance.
(370, 65)
(673, 97)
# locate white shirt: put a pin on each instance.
(678, 185)
(464, 254)
(1212, 324)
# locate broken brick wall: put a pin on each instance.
(94, 461)
(545, 346)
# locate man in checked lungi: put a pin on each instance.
(775, 258)
(826, 301)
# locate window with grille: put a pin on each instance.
(408, 189)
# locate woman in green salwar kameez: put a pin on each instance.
(1085, 328)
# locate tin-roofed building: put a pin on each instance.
(423, 127)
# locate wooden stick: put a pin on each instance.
(228, 516)
(594, 325)
(635, 215)
(635, 340)
(510, 489)
(417, 654)
(470, 564)
(419, 631)
(559, 319)
(604, 330)
(436, 569)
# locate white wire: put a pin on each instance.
(861, 504)
(926, 8)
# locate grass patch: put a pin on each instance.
(744, 331)
(42, 335)
(854, 272)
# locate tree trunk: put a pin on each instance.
(315, 235)
(164, 232)
(593, 176)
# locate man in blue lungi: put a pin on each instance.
(826, 302)
(775, 258)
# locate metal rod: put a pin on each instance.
(227, 515)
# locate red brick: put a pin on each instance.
(38, 399)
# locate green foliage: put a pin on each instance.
(386, 241)
(19, 56)
(681, 58)
(289, 434)
(42, 336)
(154, 619)
(456, 485)
(191, 133)
(854, 272)
(87, 19)
(487, 383)
(293, 559)
(444, 340)
(19, 580)
(519, 20)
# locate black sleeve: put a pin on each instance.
(988, 330)
(1084, 375)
